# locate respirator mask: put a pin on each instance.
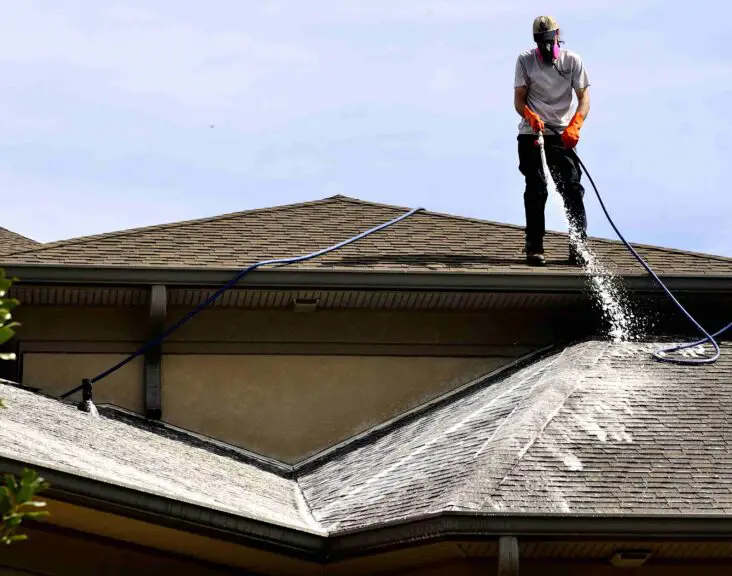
(547, 46)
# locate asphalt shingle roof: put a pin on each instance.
(120, 450)
(427, 241)
(13, 242)
(598, 428)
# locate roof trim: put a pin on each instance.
(163, 511)
(261, 461)
(421, 530)
(469, 525)
(389, 280)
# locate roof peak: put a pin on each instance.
(260, 232)
(12, 242)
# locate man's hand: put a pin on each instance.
(570, 136)
(533, 119)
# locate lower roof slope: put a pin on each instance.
(127, 452)
(598, 428)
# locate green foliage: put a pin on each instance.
(6, 319)
(17, 504)
(16, 495)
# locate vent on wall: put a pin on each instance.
(629, 558)
(304, 304)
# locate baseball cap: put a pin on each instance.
(545, 28)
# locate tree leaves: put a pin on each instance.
(16, 494)
(16, 503)
(6, 306)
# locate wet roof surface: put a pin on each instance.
(597, 428)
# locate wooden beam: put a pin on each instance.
(508, 556)
(152, 375)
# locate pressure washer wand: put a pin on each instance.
(540, 143)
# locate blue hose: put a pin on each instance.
(660, 354)
(231, 283)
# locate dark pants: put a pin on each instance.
(566, 173)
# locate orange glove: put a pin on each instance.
(533, 119)
(570, 136)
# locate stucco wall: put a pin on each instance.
(69, 324)
(290, 407)
(280, 383)
(497, 327)
(56, 373)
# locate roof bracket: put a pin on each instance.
(508, 556)
(152, 365)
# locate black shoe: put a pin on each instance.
(535, 258)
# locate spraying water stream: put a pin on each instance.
(606, 287)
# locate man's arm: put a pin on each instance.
(583, 102)
(519, 100)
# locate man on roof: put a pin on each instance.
(545, 78)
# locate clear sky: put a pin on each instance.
(124, 113)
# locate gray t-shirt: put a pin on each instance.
(549, 94)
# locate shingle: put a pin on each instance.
(598, 428)
(427, 241)
(11, 242)
(594, 429)
(46, 432)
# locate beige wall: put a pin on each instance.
(319, 377)
(289, 407)
(497, 327)
(59, 324)
(57, 373)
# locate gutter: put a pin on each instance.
(421, 530)
(471, 526)
(273, 278)
(175, 514)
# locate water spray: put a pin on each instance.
(660, 355)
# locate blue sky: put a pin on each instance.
(128, 113)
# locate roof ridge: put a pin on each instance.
(41, 247)
(519, 227)
(540, 373)
(178, 224)
(535, 437)
(17, 235)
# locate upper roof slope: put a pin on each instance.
(13, 242)
(599, 428)
(427, 241)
